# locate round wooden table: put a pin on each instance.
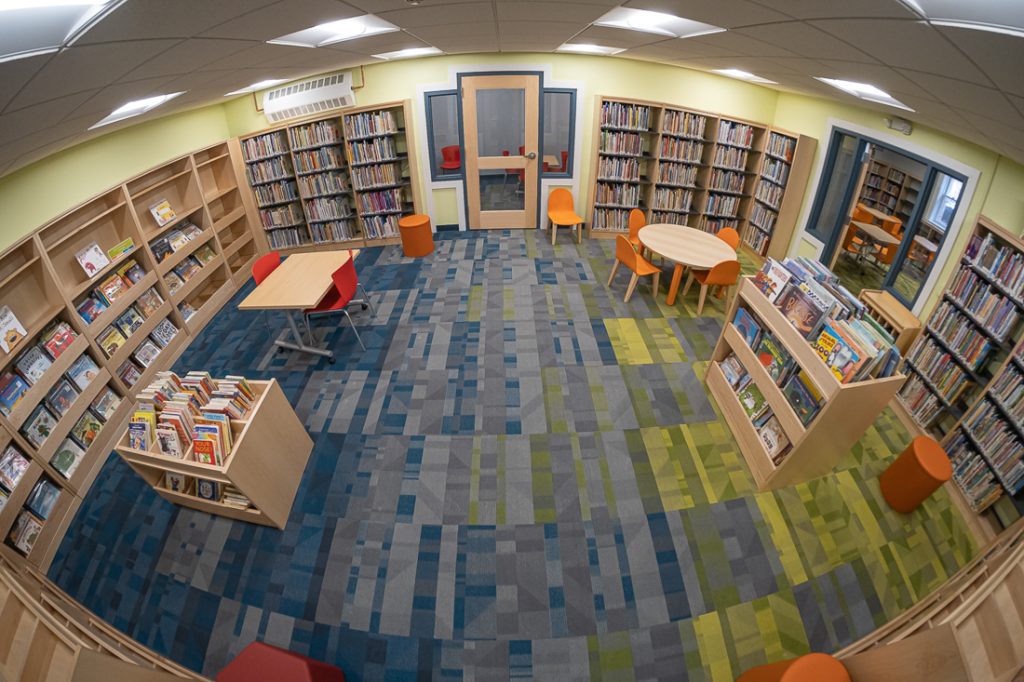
(687, 248)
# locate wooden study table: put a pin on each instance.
(300, 282)
(875, 213)
(687, 248)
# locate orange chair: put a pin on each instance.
(451, 158)
(725, 274)
(265, 265)
(851, 242)
(561, 212)
(641, 267)
(807, 668)
(637, 219)
(920, 470)
(730, 236)
(893, 226)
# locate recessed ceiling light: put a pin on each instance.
(588, 48)
(34, 27)
(337, 32)
(259, 85)
(136, 108)
(409, 52)
(744, 75)
(865, 91)
(979, 26)
(659, 23)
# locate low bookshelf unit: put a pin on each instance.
(845, 411)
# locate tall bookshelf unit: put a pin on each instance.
(42, 282)
(890, 190)
(343, 180)
(966, 369)
(846, 412)
(697, 169)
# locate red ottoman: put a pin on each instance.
(261, 662)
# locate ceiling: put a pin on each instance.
(966, 82)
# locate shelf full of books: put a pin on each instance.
(697, 169)
(890, 190)
(965, 368)
(230, 446)
(800, 372)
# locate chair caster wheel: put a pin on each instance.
(280, 350)
(330, 361)
(365, 306)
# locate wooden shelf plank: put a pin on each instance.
(742, 428)
(121, 304)
(133, 342)
(204, 274)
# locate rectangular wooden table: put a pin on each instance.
(874, 212)
(299, 283)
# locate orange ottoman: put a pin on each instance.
(417, 239)
(809, 668)
(917, 473)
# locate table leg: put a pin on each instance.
(673, 289)
(299, 344)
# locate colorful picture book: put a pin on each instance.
(173, 281)
(67, 458)
(733, 370)
(120, 248)
(772, 279)
(131, 272)
(208, 490)
(747, 326)
(129, 373)
(204, 254)
(164, 332)
(178, 483)
(800, 309)
(32, 364)
(105, 404)
(773, 357)
(752, 400)
(842, 355)
(111, 289)
(38, 427)
(130, 321)
(61, 397)
(146, 353)
(43, 498)
(90, 308)
(92, 259)
(148, 302)
(25, 532)
(83, 371)
(12, 390)
(11, 330)
(803, 396)
(86, 429)
(774, 439)
(162, 212)
(57, 338)
(13, 466)
(110, 340)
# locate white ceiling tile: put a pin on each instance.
(434, 15)
(743, 44)
(808, 40)
(547, 29)
(188, 56)
(879, 75)
(678, 49)
(714, 12)
(815, 9)
(379, 6)
(24, 123)
(999, 56)
(163, 19)
(969, 97)
(550, 11)
(385, 42)
(616, 37)
(484, 30)
(281, 18)
(111, 97)
(15, 74)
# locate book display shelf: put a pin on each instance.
(893, 316)
(967, 367)
(94, 303)
(268, 455)
(345, 179)
(697, 169)
(845, 413)
(890, 190)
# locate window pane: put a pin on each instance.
(558, 125)
(836, 200)
(501, 190)
(444, 134)
(501, 121)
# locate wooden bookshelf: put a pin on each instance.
(846, 412)
(890, 190)
(265, 464)
(893, 316)
(688, 167)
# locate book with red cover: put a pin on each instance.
(57, 338)
(205, 451)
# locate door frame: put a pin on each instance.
(540, 123)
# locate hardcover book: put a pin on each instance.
(105, 404)
(148, 302)
(146, 353)
(86, 429)
(191, 230)
(43, 498)
(83, 371)
(208, 490)
(162, 212)
(12, 390)
(747, 326)
(92, 259)
(186, 310)
(752, 400)
(168, 442)
(61, 397)
(205, 452)
(138, 435)
(800, 310)
(733, 370)
(110, 339)
(91, 308)
(774, 438)
(129, 373)
(25, 532)
(32, 364)
(772, 278)
(164, 332)
(121, 248)
(174, 282)
(803, 396)
(13, 466)
(131, 272)
(69, 454)
(839, 352)
(177, 240)
(39, 426)
(130, 321)
(204, 254)
(161, 249)
(57, 338)
(178, 483)
(773, 356)
(112, 288)
(187, 268)
(11, 330)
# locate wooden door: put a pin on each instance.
(501, 120)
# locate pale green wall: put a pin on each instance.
(43, 190)
(1005, 201)
(446, 206)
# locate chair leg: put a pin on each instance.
(366, 297)
(579, 233)
(615, 268)
(700, 301)
(554, 232)
(654, 284)
(689, 282)
(632, 285)
(354, 330)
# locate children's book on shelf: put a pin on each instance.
(191, 230)
(11, 330)
(205, 452)
(187, 268)
(92, 259)
(61, 397)
(129, 373)
(204, 254)
(12, 390)
(112, 288)
(843, 357)
(773, 357)
(146, 353)
(733, 370)
(208, 490)
(43, 498)
(67, 458)
(168, 442)
(13, 466)
(32, 364)
(131, 272)
(120, 248)
(774, 439)
(161, 249)
(83, 371)
(772, 279)
(39, 426)
(105, 404)
(803, 396)
(149, 301)
(162, 212)
(178, 483)
(90, 308)
(25, 531)
(747, 326)
(57, 338)
(110, 339)
(174, 282)
(130, 321)
(752, 400)
(177, 240)
(800, 309)
(187, 310)
(164, 332)
(86, 429)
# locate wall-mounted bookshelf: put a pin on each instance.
(966, 368)
(697, 169)
(340, 180)
(890, 190)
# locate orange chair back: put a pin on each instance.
(726, 273)
(729, 236)
(265, 265)
(637, 219)
(560, 199)
(860, 215)
(625, 253)
(892, 225)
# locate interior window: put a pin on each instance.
(443, 135)
(559, 124)
(943, 202)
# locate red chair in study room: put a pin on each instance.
(725, 274)
(451, 158)
(265, 265)
(346, 283)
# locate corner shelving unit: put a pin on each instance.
(785, 162)
(846, 412)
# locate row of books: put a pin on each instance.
(261, 146)
(329, 208)
(781, 146)
(876, 197)
(172, 242)
(683, 123)
(116, 335)
(632, 116)
(621, 143)
(954, 330)
(714, 224)
(681, 150)
(618, 168)
(41, 423)
(755, 238)
(670, 217)
(723, 205)
(971, 472)
(616, 219)
(763, 218)
(775, 170)
(109, 290)
(935, 363)
(1003, 263)
(673, 198)
(726, 181)
(373, 176)
(731, 157)
(276, 192)
(319, 184)
(333, 231)
(321, 132)
(755, 406)
(378, 150)
(919, 399)
(769, 194)
(37, 508)
(996, 313)
(288, 237)
(269, 170)
(999, 442)
(319, 160)
(739, 134)
(70, 452)
(33, 362)
(677, 174)
(618, 194)
(1008, 389)
(370, 123)
(381, 226)
(288, 215)
(381, 201)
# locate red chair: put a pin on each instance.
(346, 282)
(265, 265)
(261, 662)
(451, 158)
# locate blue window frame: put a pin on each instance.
(442, 109)
(558, 129)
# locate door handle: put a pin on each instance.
(531, 156)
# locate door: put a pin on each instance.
(844, 173)
(501, 121)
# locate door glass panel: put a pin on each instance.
(832, 215)
(501, 121)
(557, 130)
(502, 190)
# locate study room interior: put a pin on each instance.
(501, 339)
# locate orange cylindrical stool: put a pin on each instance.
(917, 473)
(809, 668)
(417, 239)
